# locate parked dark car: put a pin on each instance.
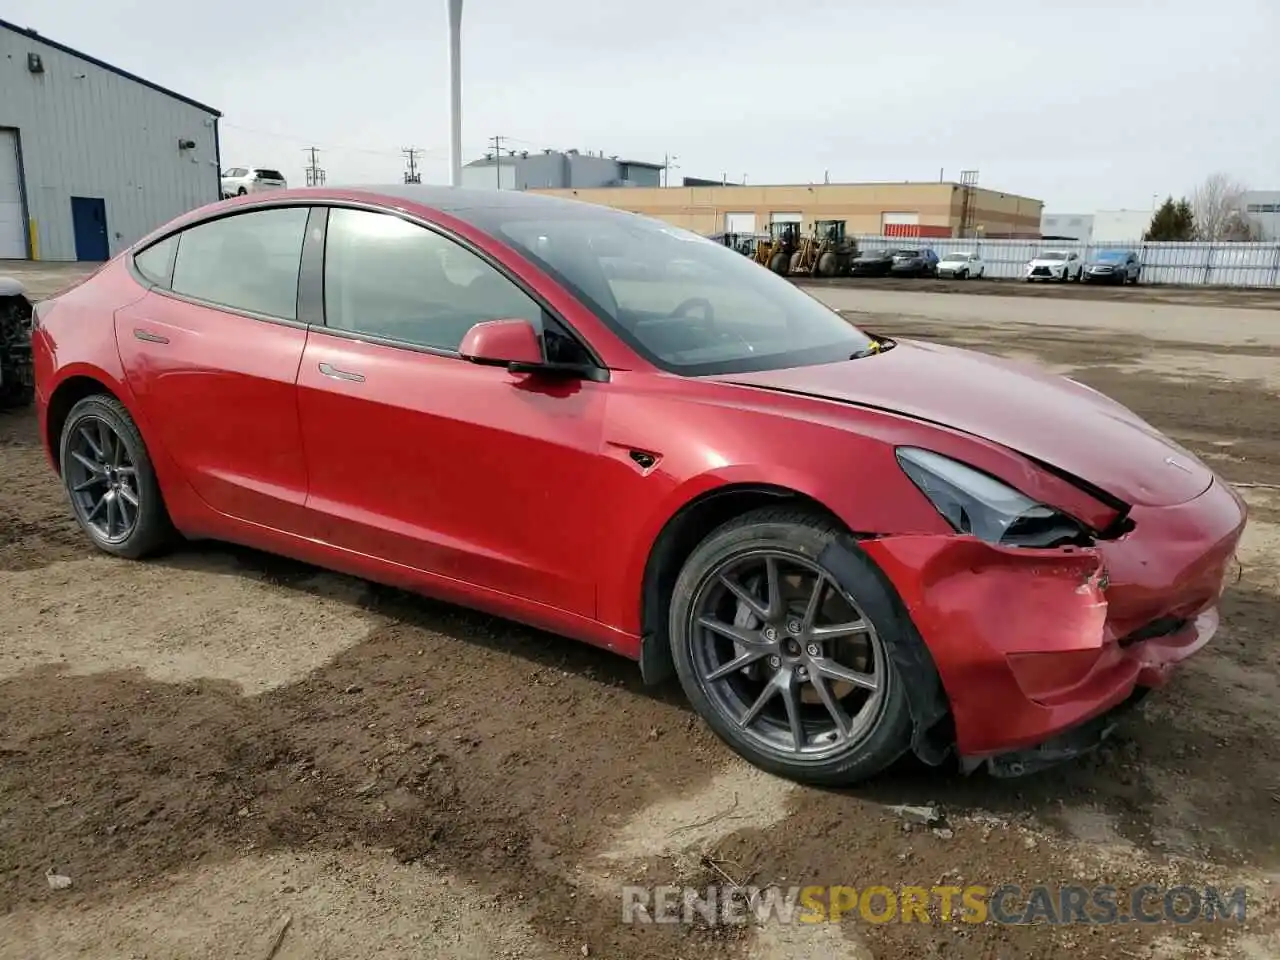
(914, 263)
(1112, 266)
(873, 263)
(17, 376)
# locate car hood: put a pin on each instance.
(1056, 421)
(1048, 263)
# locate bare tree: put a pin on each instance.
(1218, 205)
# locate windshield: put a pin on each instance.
(906, 253)
(235, 172)
(959, 255)
(685, 303)
(1053, 255)
(1111, 256)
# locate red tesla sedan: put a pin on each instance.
(846, 547)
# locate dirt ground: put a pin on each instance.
(1265, 298)
(231, 755)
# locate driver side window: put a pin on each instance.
(389, 278)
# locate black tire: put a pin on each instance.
(828, 265)
(152, 530)
(780, 263)
(241, 192)
(805, 535)
(963, 274)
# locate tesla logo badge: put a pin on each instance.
(1174, 463)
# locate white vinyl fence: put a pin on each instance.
(1202, 264)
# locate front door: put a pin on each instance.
(467, 472)
(89, 223)
(212, 355)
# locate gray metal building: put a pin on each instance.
(1067, 226)
(93, 157)
(522, 170)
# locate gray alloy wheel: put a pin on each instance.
(785, 663)
(109, 479)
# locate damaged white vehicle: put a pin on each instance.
(1059, 265)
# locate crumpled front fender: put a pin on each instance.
(1017, 634)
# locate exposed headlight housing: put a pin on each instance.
(978, 504)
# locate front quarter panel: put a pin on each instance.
(707, 437)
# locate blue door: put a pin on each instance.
(89, 221)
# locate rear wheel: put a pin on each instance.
(780, 264)
(241, 192)
(108, 476)
(788, 666)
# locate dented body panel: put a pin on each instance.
(1031, 643)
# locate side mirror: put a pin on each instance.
(515, 344)
(501, 343)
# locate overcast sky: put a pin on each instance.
(1083, 104)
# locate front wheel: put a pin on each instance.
(788, 666)
(108, 476)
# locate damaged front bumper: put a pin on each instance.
(1036, 648)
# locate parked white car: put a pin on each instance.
(237, 181)
(961, 265)
(1060, 265)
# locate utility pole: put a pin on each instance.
(667, 165)
(496, 140)
(315, 173)
(968, 200)
(455, 92)
(411, 158)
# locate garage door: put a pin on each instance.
(785, 218)
(900, 224)
(13, 227)
(739, 223)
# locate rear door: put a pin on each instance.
(212, 354)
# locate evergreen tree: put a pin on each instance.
(1173, 221)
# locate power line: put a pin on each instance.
(332, 147)
(315, 175)
(411, 158)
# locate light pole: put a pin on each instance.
(455, 92)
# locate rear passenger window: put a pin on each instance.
(247, 261)
(156, 262)
(390, 278)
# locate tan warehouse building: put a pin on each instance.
(888, 209)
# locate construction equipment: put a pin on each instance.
(827, 253)
(17, 379)
(776, 252)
